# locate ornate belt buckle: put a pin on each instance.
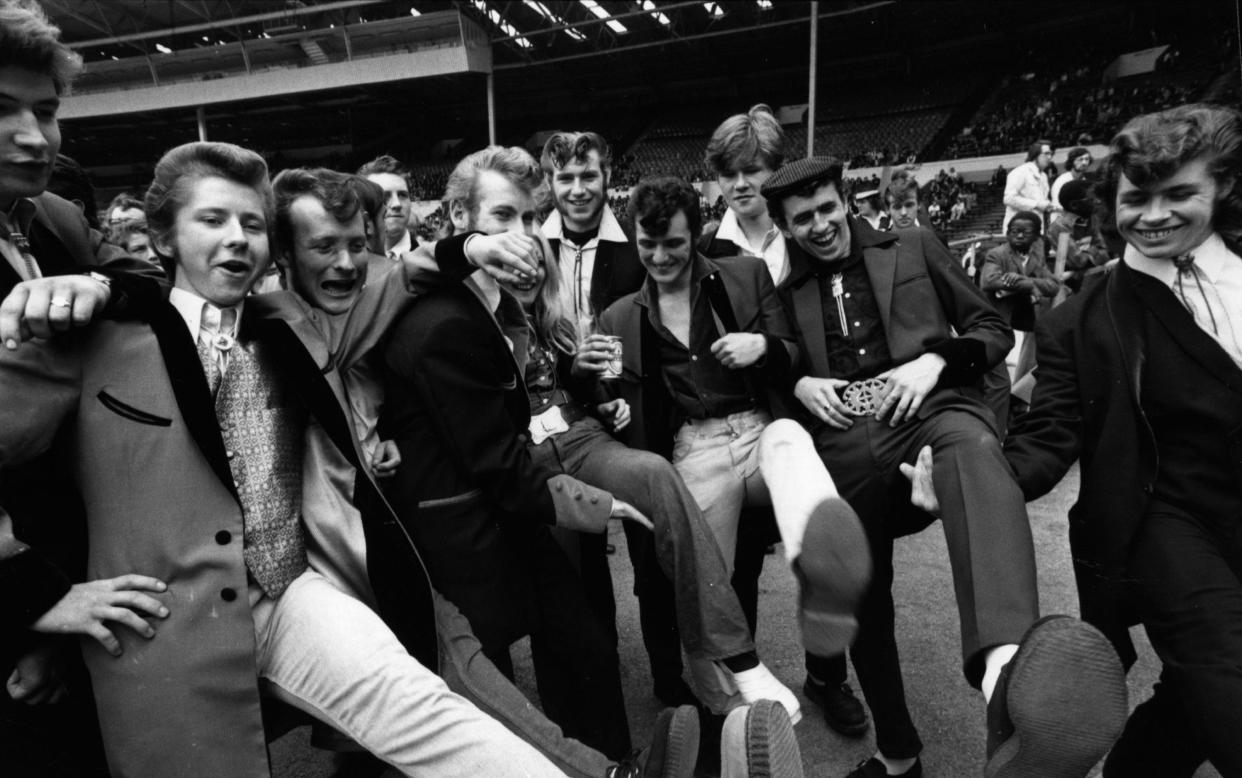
(862, 398)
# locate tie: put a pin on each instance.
(215, 338)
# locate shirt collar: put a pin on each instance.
(609, 228)
(402, 246)
(190, 306)
(1210, 257)
(730, 229)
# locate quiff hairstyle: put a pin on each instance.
(178, 171)
(565, 147)
(514, 163)
(655, 201)
(386, 163)
(333, 190)
(1154, 146)
(28, 40)
(745, 137)
(899, 186)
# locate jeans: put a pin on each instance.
(331, 656)
(708, 614)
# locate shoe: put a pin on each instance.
(1059, 704)
(874, 768)
(757, 684)
(673, 751)
(842, 710)
(676, 692)
(758, 741)
(833, 571)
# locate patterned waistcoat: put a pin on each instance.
(262, 426)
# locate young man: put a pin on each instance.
(1026, 186)
(1139, 379)
(1076, 163)
(894, 337)
(394, 177)
(700, 386)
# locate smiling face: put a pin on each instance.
(817, 223)
(218, 241)
(740, 187)
(579, 189)
(667, 257)
(29, 133)
(1167, 218)
(328, 263)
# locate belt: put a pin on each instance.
(862, 398)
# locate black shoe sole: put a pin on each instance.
(1066, 697)
(834, 571)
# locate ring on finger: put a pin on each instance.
(61, 302)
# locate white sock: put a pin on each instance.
(896, 766)
(996, 659)
(796, 478)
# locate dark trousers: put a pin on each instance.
(577, 669)
(1189, 573)
(991, 552)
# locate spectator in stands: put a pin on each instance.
(1076, 164)
(124, 209)
(1138, 382)
(1026, 186)
(998, 178)
(394, 177)
(718, 347)
(871, 209)
(1085, 250)
(1015, 275)
(889, 385)
(743, 152)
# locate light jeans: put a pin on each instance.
(329, 655)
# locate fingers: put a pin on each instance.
(136, 581)
(11, 312)
(141, 602)
(925, 458)
(907, 471)
(516, 253)
(130, 619)
(36, 313)
(105, 638)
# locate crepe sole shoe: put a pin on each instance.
(1059, 705)
(675, 745)
(758, 741)
(833, 572)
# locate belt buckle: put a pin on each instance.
(862, 398)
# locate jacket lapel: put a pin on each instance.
(881, 264)
(1127, 322)
(808, 308)
(190, 388)
(1181, 325)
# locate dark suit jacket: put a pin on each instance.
(467, 489)
(1087, 403)
(1017, 307)
(743, 299)
(924, 298)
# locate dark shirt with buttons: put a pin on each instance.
(862, 351)
(698, 383)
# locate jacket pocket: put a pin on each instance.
(128, 411)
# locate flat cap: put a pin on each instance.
(798, 174)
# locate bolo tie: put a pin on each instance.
(1185, 265)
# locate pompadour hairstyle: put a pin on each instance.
(386, 163)
(655, 201)
(900, 185)
(565, 147)
(1154, 146)
(28, 40)
(745, 137)
(334, 190)
(514, 163)
(180, 168)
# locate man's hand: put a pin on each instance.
(387, 459)
(593, 356)
(819, 396)
(36, 679)
(740, 349)
(89, 606)
(616, 413)
(508, 257)
(922, 488)
(39, 308)
(623, 510)
(906, 387)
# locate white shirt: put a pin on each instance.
(400, 247)
(1061, 181)
(1223, 272)
(1025, 188)
(576, 276)
(771, 250)
(190, 306)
